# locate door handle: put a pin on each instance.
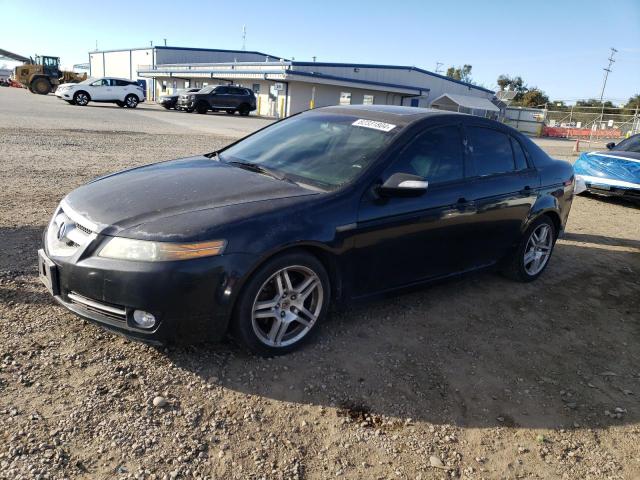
(526, 190)
(465, 206)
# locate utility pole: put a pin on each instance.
(607, 71)
(438, 65)
(244, 37)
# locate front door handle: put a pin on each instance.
(465, 206)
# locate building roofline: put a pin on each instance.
(168, 47)
(355, 80)
(391, 67)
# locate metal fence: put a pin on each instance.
(591, 122)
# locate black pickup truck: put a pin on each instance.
(219, 98)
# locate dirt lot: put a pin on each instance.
(474, 378)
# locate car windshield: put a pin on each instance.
(631, 144)
(88, 81)
(322, 150)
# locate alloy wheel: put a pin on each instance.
(538, 249)
(131, 101)
(82, 99)
(287, 306)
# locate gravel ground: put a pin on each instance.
(474, 378)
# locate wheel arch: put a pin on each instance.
(82, 91)
(320, 251)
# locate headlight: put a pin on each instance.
(146, 251)
(192, 97)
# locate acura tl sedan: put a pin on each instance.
(334, 204)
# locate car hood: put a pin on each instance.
(610, 165)
(133, 197)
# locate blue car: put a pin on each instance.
(615, 172)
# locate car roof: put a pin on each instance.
(394, 114)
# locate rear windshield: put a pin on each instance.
(324, 150)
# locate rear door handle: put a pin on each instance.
(526, 190)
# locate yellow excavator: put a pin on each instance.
(42, 75)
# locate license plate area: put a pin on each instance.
(48, 273)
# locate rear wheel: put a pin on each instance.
(534, 251)
(81, 98)
(167, 107)
(131, 101)
(231, 112)
(282, 304)
(244, 110)
(41, 86)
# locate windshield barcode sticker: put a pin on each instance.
(384, 127)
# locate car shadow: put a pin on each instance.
(479, 351)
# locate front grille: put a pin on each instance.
(84, 229)
(112, 311)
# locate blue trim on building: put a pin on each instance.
(389, 67)
(354, 80)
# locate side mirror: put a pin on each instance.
(403, 185)
(610, 145)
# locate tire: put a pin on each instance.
(167, 107)
(81, 98)
(521, 265)
(230, 112)
(120, 104)
(131, 101)
(264, 332)
(244, 110)
(189, 110)
(41, 86)
(202, 108)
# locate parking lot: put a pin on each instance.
(477, 377)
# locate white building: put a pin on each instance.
(282, 87)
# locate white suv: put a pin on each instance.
(123, 92)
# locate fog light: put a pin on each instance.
(144, 319)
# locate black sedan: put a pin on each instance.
(334, 204)
(171, 101)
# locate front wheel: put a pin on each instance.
(81, 99)
(202, 108)
(282, 304)
(533, 254)
(131, 101)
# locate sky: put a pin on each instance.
(558, 46)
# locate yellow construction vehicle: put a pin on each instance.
(43, 75)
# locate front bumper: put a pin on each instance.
(65, 94)
(192, 300)
(610, 187)
(186, 104)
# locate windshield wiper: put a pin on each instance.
(255, 167)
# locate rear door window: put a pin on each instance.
(491, 151)
(518, 155)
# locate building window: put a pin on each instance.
(187, 84)
(367, 100)
(164, 85)
(345, 98)
(198, 84)
(175, 84)
(256, 88)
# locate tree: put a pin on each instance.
(534, 97)
(634, 102)
(460, 73)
